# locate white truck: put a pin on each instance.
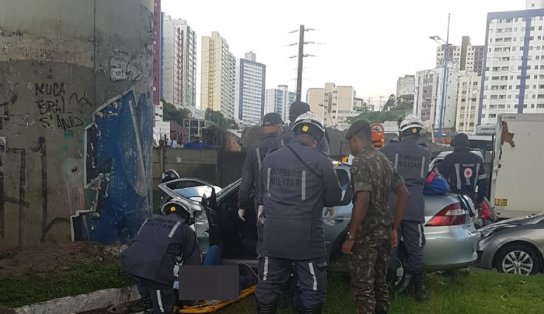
(518, 165)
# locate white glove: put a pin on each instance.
(241, 213)
(260, 214)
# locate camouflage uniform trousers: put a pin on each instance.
(368, 268)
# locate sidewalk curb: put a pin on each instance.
(83, 302)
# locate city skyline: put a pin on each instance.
(338, 27)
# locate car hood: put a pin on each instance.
(510, 223)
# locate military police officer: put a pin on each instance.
(297, 182)
(372, 231)
(411, 161)
(151, 257)
(249, 189)
(464, 170)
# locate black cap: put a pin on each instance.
(460, 141)
(298, 108)
(272, 118)
(357, 127)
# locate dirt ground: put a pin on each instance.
(48, 257)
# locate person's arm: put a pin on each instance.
(444, 167)
(482, 184)
(359, 211)
(189, 244)
(401, 192)
(332, 194)
(248, 181)
(362, 187)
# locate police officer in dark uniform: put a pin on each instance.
(411, 161)
(151, 257)
(297, 181)
(295, 110)
(464, 170)
(247, 199)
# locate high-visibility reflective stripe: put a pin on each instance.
(159, 300)
(259, 158)
(420, 230)
(265, 271)
(141, 227)
(458, 175)
(268, 172)
(396, 161)
(476, 177)
(303, 192)
(311, 266)
(423, 167)
(174, 229)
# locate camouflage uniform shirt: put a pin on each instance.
(372, 172)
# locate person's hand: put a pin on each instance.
(260, 214)
(346, 247)
(241, 213)
(394, 241)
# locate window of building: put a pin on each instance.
(492, 115)
(540, 106)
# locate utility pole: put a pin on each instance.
(444, 85)
(301, 56)
(300, 61)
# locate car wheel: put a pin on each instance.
(398, 280)
(519, 259)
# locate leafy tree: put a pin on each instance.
(379, 116)
(171, 113)
(217, 118)
(390, 103)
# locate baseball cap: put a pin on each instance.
(272, 118)
(358, 126)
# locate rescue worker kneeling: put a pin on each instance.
(151, 257)
(297, 182)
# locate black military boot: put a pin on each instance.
(419, 287)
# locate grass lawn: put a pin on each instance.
(33, 287)
(457, 292)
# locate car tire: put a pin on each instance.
(398, 282)
(518, 258)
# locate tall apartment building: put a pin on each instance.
(178, 62)
(279, 100)
(406, 85)
(218, 81)
(464, 57)
(250, 89)
(157, 51)
(513, 80)
(428, 97)
(333, 103)
(468, 100)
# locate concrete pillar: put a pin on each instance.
(75, 119)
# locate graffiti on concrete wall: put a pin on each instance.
(115, 174)
(56, 106)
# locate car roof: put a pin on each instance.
(443, 155)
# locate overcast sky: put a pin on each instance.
(366, 44)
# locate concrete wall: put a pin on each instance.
(76, 119)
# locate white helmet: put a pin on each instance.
(309, 123)
(179, 206)
(409, 122)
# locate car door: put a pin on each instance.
(335, 225)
